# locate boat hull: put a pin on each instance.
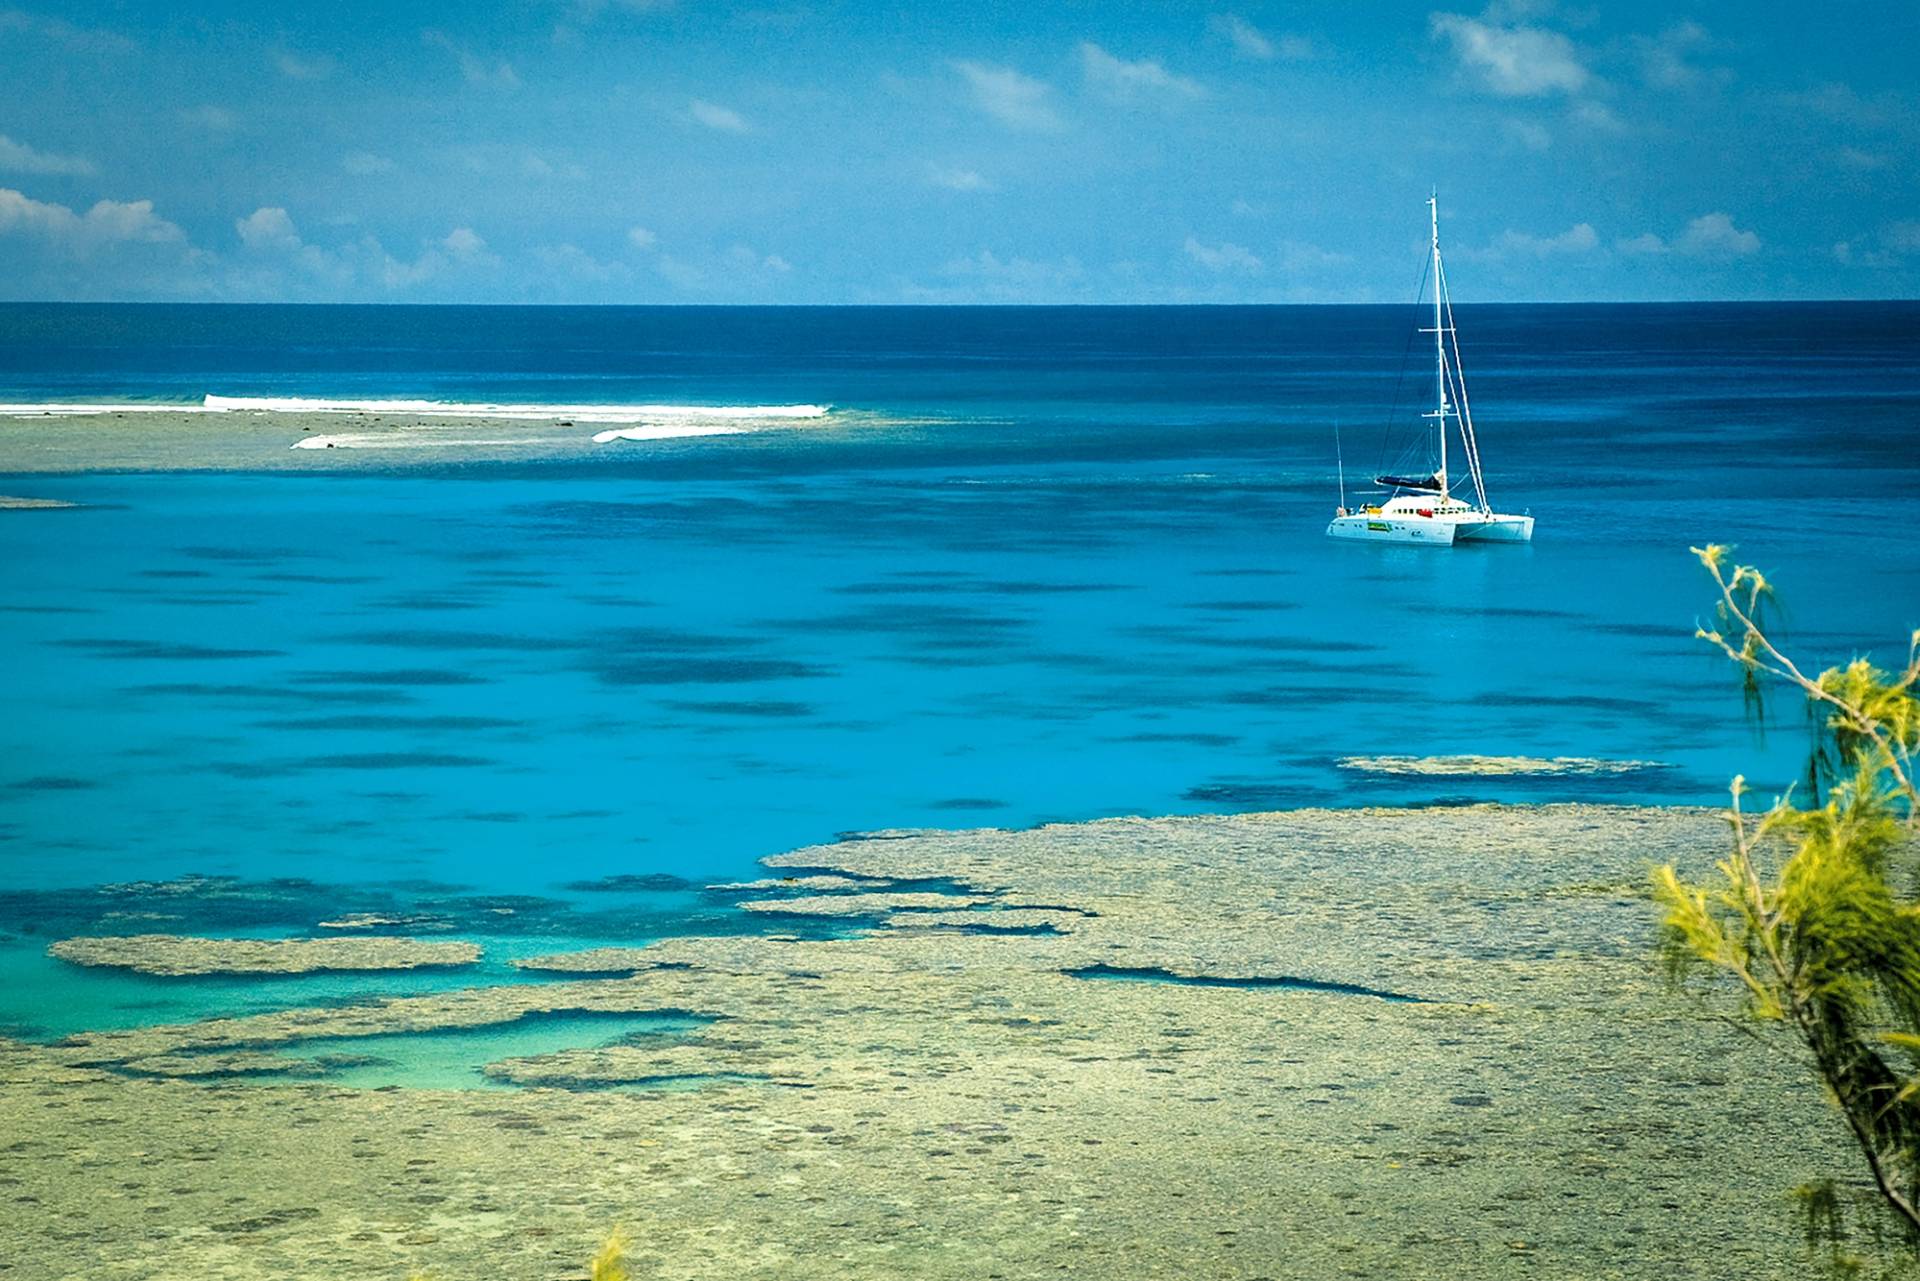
(1410, 528)
(1416, 530)
(1496, 529)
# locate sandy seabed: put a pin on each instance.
(1391, 1043)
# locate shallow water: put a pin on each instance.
(450, 1058)
(1069, 564)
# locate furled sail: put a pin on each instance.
(1410, 482)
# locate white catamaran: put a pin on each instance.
(1421, 507)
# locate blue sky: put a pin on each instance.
(698, 151)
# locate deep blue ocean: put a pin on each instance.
(1039, 564)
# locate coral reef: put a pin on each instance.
(923, 1098)
(179, 955)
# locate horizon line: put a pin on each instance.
(952, 306)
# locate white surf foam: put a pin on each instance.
(663, 415)
(668, 431)
(396, 440)
(66, 409)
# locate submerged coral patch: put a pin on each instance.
(872, 903)
(632, 883)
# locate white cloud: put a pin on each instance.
(273, 246)
(1247, 38)
(114, 220)
(1597, 116)
(957, 179)
(714, 116)
(987, 277)
(1663, 58)
(93, 40)
(1714, 236)
(574, 263)
(210, 118)
(641, 238)
(1251, 42)
(1528, 134)
(465, 245)
(745, 257)
(272, 242)
(1577, 239)
(1225, 256)
(475, 69)
(108, 222)
(1299, 256)
(1119, 78)
(460, 249)
(1514, 61)
(741, 271)
(1015, 100)
(365, 164)
(268, 229)
(18, 157)
(1902, 237)
(1710, 235)
(1897, 243)
(1842, 102)
(304, 67)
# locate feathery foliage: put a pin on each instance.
(1810, 911)
(610, 1263)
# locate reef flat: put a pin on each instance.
(321, 435)
(188, 439)
(179, 955)
(1391, 1043)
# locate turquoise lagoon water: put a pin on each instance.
(1046, 565)
(451, 1058)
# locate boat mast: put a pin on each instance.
(1439, 344)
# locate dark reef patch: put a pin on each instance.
(1153, 974)
(442, 640)
(1243, 606)
(245, 555)
(689, 669)
(391, 676)
(764, 708)
(272, 694)
(643, 883)
(361, 723)
(318, 580)
(349, 761)
(51, 783)
(1248, 795)
(1574, 702)
(160, 651)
